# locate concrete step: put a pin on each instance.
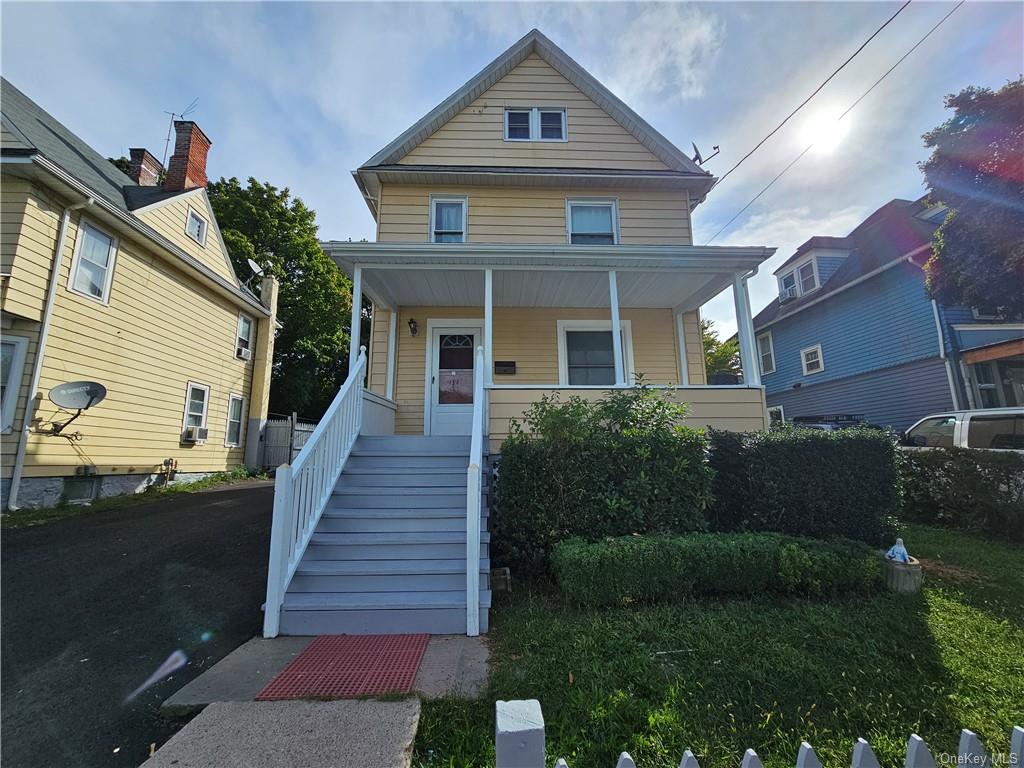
(406, 460)
(421, 444)
(428, 545)
(418, 478)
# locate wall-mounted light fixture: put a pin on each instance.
(414, 327)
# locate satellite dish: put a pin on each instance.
(77, 395)
(256, 268)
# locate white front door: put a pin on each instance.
(450, 385)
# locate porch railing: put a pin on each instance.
(302, 488)
(473, 493)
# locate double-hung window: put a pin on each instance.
(535, 124)
(766, 353)
(12, 362)
(243, 340)
(93, 264)
(587, 355)
(448, 220)
(195, 227)
(233, 434)
(811, 360)
(197, 401)
(592, 222)
(808, 277)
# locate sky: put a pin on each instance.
(299, 94)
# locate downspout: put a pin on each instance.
(31, 404)
(944, 357)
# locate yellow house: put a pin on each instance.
(121, 281)
(533, 237)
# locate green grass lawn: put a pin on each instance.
(718, 676)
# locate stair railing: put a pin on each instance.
(303, 488)
(473, 493)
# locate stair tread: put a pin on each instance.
(327, 601)
(398, 537)
(406, 453)
(398, 490)
(384, 567)
(405, 471)
(393, 512)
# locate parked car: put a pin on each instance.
(1000, 429)
(832, 423)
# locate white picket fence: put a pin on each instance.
(519, 743)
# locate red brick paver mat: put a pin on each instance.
(347, 666)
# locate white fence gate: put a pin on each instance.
(519, 743)
(284, 439)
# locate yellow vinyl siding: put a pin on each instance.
(695, 365)
(733, 408)
(29, 223)
(169, 220)
(376, 378)
(534, 214)
(476, 135)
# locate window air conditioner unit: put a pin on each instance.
(787, 294)
(195, 434)
(243, 354)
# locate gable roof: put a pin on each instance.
(885, 238)
(535, 42)
(816, 242)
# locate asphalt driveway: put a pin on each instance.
(92, 606)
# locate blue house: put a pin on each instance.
(853, 331)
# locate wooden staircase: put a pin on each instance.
(388, 554)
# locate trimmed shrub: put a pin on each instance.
(593, 469)
(807, 482)
(980, 491)
(649, 569)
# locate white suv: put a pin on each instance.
(1000, 429)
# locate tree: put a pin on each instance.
(121, 163)
(279, 233)
(719, 356)
(977, 170)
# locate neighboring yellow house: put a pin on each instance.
(118, 280)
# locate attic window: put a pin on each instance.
(535, 124)
(808, 277)
(195, 227)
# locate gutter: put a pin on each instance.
(32, 403)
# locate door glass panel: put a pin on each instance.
(455, 369)
(933, 433)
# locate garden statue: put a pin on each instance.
(898, 552)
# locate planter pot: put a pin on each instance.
(903, 577)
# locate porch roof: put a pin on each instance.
(681, 277)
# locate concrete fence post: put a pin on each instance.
(518, 734)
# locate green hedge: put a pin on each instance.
(807, 482)
(981, 491)
(610, 468)
(666, 568)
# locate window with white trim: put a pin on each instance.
(243, 336)
(776, 415)
(12, 363)
(197, 402)
(811, 360)
(196, 226)
(233, 433)
(808, 277)
(448, 220)
(93, 265)
(766, 353)
(586, 356)
(535, 124)
(592, 222)
(800, 280)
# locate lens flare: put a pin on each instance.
(172, 664)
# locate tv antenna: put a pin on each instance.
(170, 126)
(698, 159)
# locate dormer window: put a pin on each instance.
(803, 279)
(808, 277)
(535, 124)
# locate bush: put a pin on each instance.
(594, 469)
(807, 483)
(667, 568)
(980, 491)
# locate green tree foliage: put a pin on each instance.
(279, 232)
(121, 163)
(977, 170)
(719, 356)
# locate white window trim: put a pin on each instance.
(612, 201)
(464, 200)
(978, 315)
(206, 226)
(795, 272)
(241, 422)
(188, 396)
(105, 299)
(594, 325)
(238, 332)
(771, 351)
(10, 402)
(803, 359)
(780, 409)
(534, 123)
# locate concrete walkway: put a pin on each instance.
(298, 734)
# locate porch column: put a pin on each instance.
(684, 366)
(489, 326)
(613, 291)
(745, 331)
(389, 388)
(357, 317)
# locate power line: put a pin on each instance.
(814, 93)
(849, 109)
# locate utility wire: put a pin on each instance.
(848, 110)
(814, 93)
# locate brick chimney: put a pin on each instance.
(143, 167)
(187, 167)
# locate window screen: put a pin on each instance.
(590, 358)
(517, 125)
(591, 223)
